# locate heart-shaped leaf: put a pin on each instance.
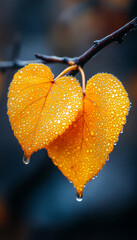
(82, 150)
(40, 108)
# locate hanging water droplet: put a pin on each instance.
(78, 197)
(26, 160)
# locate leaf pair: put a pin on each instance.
(78, 131)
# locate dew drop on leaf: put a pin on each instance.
(78, 197)
(26, 160)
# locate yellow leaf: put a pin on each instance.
(39, 108)
(82, 150)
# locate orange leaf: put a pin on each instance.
(83, 149)
(40, 109)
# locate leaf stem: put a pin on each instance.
(66, 70)
(83, 79)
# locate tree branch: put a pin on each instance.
(117, 36)
(16, 64)
(55, 59)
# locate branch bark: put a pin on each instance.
(16, 64)
(117, 36)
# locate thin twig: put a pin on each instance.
(55, 59)
(117, 36)
(16, 64)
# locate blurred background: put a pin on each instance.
(36, 201)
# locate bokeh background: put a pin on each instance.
(36, 201)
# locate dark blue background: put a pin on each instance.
(36, 200)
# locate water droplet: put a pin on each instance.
(26, 160)
(92, 133)
(78, 197)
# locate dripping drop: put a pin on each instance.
(78, 197)
(26, 160)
